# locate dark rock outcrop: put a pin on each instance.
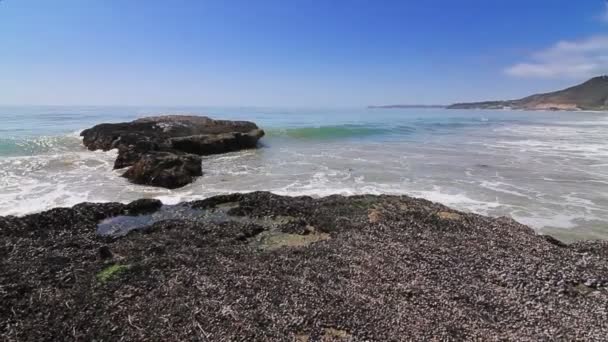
(262, 267)
(163, 150)
(166, 169)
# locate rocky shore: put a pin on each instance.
(165, 150)
(264, 267)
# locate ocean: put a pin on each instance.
(548, 170)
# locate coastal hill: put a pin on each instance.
(590, 95)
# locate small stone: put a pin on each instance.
(446, 215)
(302, 338)
(332, 334)
(554, 241)
(374, 216)
(583, 289)
(105, 253)
(309, 230)
(143, 206)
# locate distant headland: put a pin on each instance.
(590, 95)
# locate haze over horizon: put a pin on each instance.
(301, 53)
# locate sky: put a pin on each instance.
(307, 53)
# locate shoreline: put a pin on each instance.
(559, 237)
(447, 107)
(471, 164)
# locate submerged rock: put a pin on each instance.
(265, 267)
(162, 150)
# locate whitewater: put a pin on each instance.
(545, 169)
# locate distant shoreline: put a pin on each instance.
(490, 109)
(590, 96)
(398, 106)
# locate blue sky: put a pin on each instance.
(295, 52)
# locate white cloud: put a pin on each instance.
(604, 16)
(566, 59)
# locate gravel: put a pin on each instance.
(265, 267)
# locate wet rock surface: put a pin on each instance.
(165, 169)
(163, 150)
(264, 267)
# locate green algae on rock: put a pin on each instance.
(111, 272)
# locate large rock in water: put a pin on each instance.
(165, 169)
(262, 267)
(163, 150)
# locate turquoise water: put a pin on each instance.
(545, 169)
